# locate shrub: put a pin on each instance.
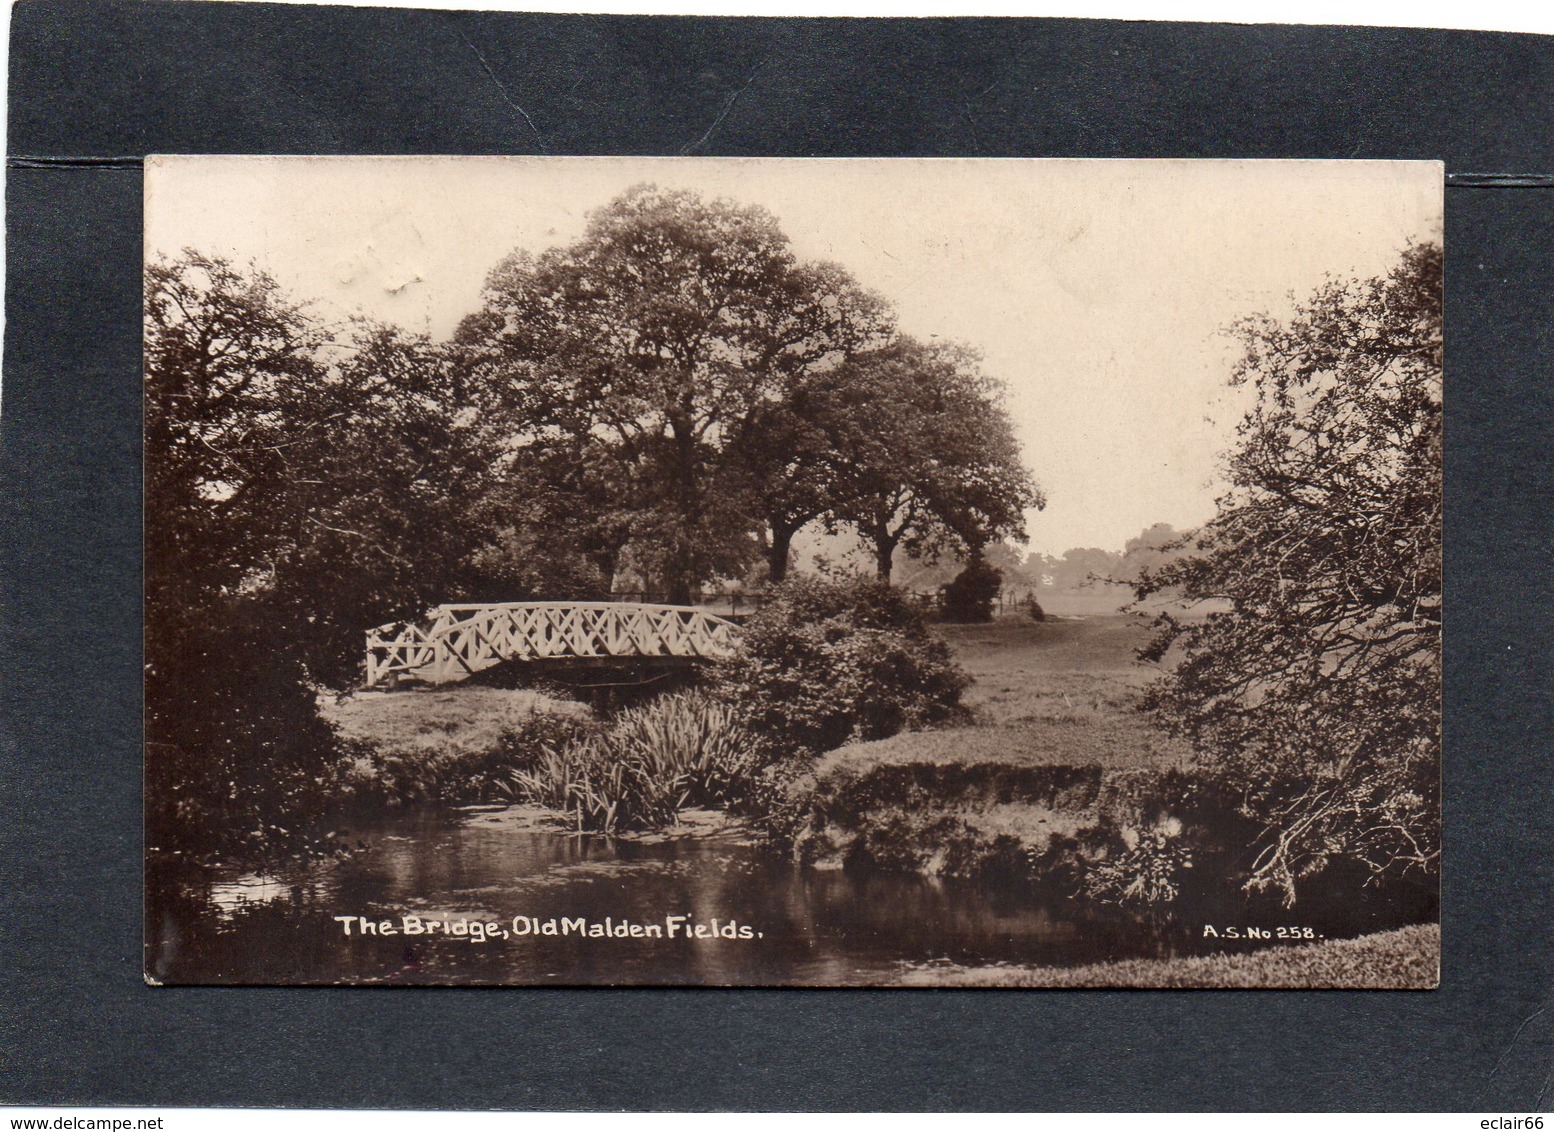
(969, 598)
(776, 799)
(825, 662)
(1146, 869)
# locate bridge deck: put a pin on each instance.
(457, 641)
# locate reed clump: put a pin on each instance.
(682, 751)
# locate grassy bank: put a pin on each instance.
(459, 745)
(458, 720)
(1404, 959)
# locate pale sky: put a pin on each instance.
(1098, 291)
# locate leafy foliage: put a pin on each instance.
(379, 504)
(1146, 872)
(932, 462)
(331, 481)
(719, 393)
(825, 662)
(297, 489)
(225, 354)
(237, 759)
(1315, 690)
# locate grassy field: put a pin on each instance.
(1059, 692)
(1404, 959)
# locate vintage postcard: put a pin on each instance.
(640, 571)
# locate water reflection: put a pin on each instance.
(789, 925)
(248, 891)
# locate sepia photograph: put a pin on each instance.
(793, 572)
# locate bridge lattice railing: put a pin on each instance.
(460, 640)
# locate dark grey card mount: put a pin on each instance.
(95, 86)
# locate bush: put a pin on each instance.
(969, 598)
(775, 799)
(827, 662)
(1146, 871)
(238, 761)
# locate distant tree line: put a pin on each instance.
(1076, 569)
(1091, 567)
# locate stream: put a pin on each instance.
(517, 903)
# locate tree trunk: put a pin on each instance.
(682, 569)
(884, 554)
(777, 554)
(607, 562)
(679, 581)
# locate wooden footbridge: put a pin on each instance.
(460, 640)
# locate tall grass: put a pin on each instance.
(679, 751)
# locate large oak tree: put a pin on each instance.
(664, 337)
